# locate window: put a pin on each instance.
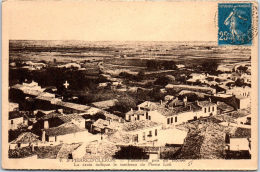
(138, 117)
(135, 139)
(12, 121)
(209, 109)
(176, 119)
(149, 117)
(146, 115)
(150, 134)
(143, 135)
(168, 121)
(205, 110)
(155, 132)
(212, 108)
(171, 119)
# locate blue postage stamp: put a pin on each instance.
(235, 24)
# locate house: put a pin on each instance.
(196, 77)
(224, 107)
(176, 112)
(238, 148)
(242, 102)
(70, 65)
(179, 66)
(163, 91)
(239, 91)
(75, 119)
(177, 137)
(104, 84)
(168, 97)
(33, 86)
(104, 126)
(116, 83)
(225, 68)
(24, 140)
(246, 78)
(138, 132)
(208, 108)
(16, 120)
(65, 133)
(245, 120)
(134, 115)
(224, 76)
(13, 106)
(31, 89)
(147, 105)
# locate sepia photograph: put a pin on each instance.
(126, 90)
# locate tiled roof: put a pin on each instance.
(70, 117)
(138, 112)
(51, 115)
(205, 103)
(14, 114)
(73, 105)
(67, 128)
(100, 123)
(137, 125)
(106, 103)
(26, 138)
(148, 105)
(225, 107)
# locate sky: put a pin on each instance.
(110, 21)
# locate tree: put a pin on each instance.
(210, 66)
(125, 104)
(164, 80)
(242, 69)
(169, 65)
(140, 75)
(239, 82)
(153, 65)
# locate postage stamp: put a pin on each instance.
(235, 24)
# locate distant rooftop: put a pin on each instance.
(105, 104)
(138, 125)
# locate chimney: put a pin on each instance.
(139, 108)
(217, 102)
(32, 148)
(209, 99)
(46, 124)
(185, 101)
(161, 102)
(43, 136)
(197, 102)
(148, 104)
(131, 109)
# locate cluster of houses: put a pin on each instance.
(55, 121)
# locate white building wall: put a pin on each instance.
(14, 123)
(143, 134)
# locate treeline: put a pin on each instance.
(78, 80)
